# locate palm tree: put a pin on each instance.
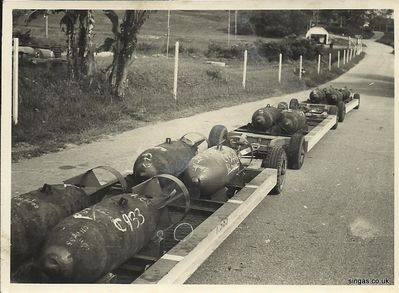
(123, 46)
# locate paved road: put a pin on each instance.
(334, 220)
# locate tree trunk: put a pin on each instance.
(124, 47)
(85, 58)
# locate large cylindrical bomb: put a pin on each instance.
(346, 93)
(89, 244)
(292, 121)
(33, 214)
(264, 118)
(317, 95)
(212, 169)
(333, 95)
(170, 157)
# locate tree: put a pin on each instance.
(78, 27)
(123, 46)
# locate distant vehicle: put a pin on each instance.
(319, 34)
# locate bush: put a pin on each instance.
(290, 48)
(182, 49)
(273, 31)
(232, 52)
(273, 23)
(351, 31)
(147, 47)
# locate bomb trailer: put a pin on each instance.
(343, 99)
(150, 226)
(83, 231)
(296, 128)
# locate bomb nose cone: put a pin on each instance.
(146, 172)
(259, 119)
(58, 262)
(195, 181)
(288, 123)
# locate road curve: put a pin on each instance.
(334, 220)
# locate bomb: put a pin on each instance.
(264, 118)
(346, 93)
(333, 95)
(33, 214)
(212, 169)
(282, 106)
(170, 157)
(89, 244)
(317, 95)
(292, 121)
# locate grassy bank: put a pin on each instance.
(55, 111)
(387, 39)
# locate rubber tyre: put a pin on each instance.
(357, 97)
(294, 104)
(333, 110)
(296, 151)
(276, 158)
(217, 135)
(341, 111)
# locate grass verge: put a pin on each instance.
(55, 111)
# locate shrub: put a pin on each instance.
(147, 47)
(290, 48)
(183, 49)
(232, 52)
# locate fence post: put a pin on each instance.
(329, 62)
(318, 65)
(244, 76)
(339, 57)
(176, 69)
(344, 59)
(300, 67)
(235, 24)
(361, 45)
(280, 63)
(168, 35)
(15, 82)
(46, 17)
(228, 30)
(347, 56)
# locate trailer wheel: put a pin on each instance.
(357, 97)
(341, 111)
(217, 135)
(276, 159)
(296, 151)
(333, 110)
(294, 104)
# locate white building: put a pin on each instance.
(318, 34)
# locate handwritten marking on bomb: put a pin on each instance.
(32, 202)
(77, 238)
(128, 221)
(147, 160)
(222, 224)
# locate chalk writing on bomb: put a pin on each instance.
(131, 220)
(76, 237)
